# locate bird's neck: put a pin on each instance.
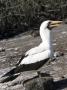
(45, 35)
(47, 39)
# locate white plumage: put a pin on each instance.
(41, 52)
(36, 57)
(44, 50)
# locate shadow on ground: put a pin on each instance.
(61, 84)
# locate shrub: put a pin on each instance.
(21, 15)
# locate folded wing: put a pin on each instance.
(36, 50)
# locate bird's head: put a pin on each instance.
(50, 24)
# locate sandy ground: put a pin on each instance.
(13, 49)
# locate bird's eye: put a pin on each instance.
(49, 25)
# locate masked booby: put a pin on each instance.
(41, 52)
(44, 50)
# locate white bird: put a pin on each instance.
(44, 50)
(41, 52)
(45, 36)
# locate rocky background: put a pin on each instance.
(19, 31)
(11, 51)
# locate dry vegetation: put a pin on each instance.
(22, 15)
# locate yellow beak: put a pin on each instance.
(55, 23)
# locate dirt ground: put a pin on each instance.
(12, 49)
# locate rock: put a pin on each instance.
(30, 80)
(54, 44)
(2, 49)
(64, 32)
(64, 76)
(65, 21)
(13, 49)
(58, 54)
(34, 33)
(16, 49)
(42, 82)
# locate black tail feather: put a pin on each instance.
(8, 78)
(12, 71)
(21, 68)
(15, 69)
